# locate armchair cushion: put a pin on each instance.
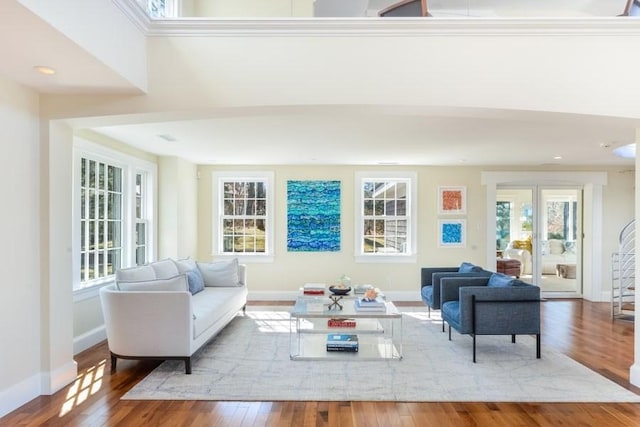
(165, 268)
(467, 267)
(499, 280)
(135, 274)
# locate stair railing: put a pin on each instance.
(623, 275)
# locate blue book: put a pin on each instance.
(349, 340)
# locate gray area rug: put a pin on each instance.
(249, 361)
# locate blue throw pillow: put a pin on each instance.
(196, 282)
(499, 280)
(467, 267)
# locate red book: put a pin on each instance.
(341, 323)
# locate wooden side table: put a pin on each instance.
(510, 267)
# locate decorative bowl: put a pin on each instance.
(339, 290)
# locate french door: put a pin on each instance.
(541, 226)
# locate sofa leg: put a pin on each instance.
(513, 338)
(244, 309)
(538, 352)
(187, 365)
(114, 362)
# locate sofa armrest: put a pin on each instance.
(242, 274)
(148, 323)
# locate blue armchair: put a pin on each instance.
(431, 278)
(496, 305)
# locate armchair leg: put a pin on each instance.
(513, 338)
(474, 348)
(538, 352)
(442, 325)
(429, 311)
(449, 331)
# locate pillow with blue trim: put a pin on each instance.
(220, 273)
(499, 280)
(467, 267)
(194, 277)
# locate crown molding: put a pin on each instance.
(376, 27)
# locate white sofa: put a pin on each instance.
(170, 308)
(554, 252)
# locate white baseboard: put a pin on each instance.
(89, 339)
(54, 381)
(292, 295)
(43, 383)
(18, 394)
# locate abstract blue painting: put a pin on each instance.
(452, 233)
(313, 216)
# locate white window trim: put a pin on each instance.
(216, 209)
(411, 255)
(130, 165)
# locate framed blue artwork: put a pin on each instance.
(313, 216)
(452, 233)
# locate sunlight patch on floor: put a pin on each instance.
(85, 385)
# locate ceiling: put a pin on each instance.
(351, 134)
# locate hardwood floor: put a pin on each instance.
(580, 329)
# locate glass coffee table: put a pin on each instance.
(379, 333)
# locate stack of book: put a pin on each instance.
(313, 289)
(341, 323)
(370, 304)
(342, 342)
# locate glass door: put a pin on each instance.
(540, 227)
(560, 243)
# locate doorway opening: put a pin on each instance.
(541, 228)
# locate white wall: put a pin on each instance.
(290, 270)
(20, 303)
(177, 208)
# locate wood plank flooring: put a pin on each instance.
(580, 329)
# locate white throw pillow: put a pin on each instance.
(185, 264)
(556, 247)
(136, 274)
(165, 268)
(220, 273)
(172, 284)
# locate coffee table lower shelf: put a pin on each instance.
(371, 347)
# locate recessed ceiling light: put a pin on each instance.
(557, 157)
(627, 151)
(43, 69)
(388, 163)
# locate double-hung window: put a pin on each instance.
(385, 216)
(113, 213)
(243, 213)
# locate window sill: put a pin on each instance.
(245, 259)
(90, 292)
(397, 259)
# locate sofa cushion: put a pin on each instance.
(165, 269)
(210, 305)
(135, 274)
(499, 280)
(176, 284)
(190, 268)
(220, 273)
(467, 267)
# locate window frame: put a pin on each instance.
(411, 180)
(130, 166)
(217, 185)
